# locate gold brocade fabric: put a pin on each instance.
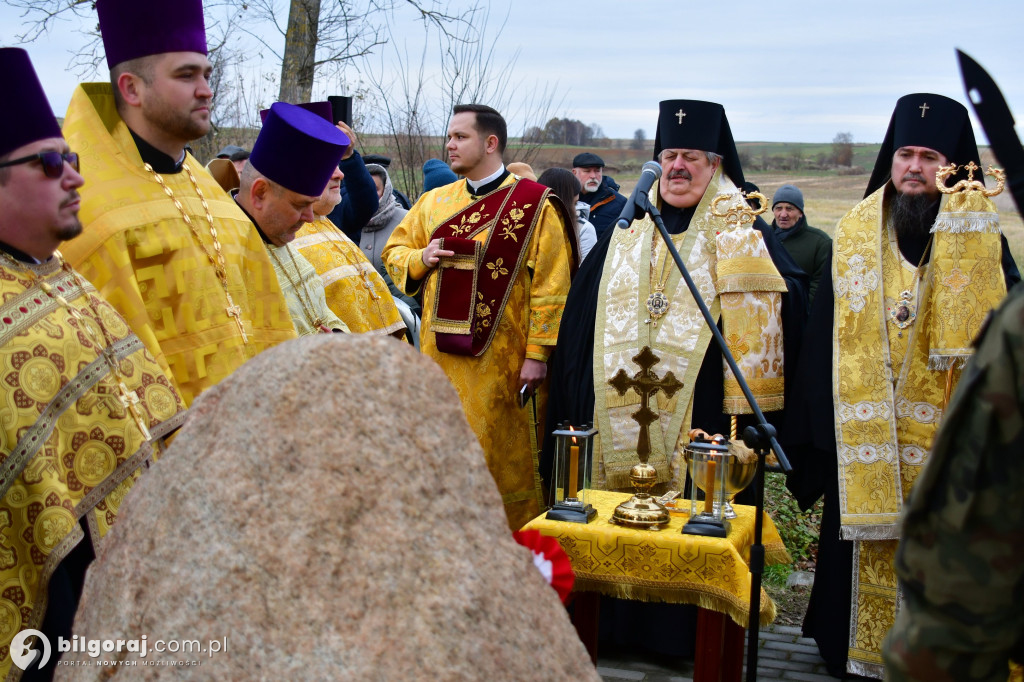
(488, 385)
(64, 427)
(750, 289)
(967, 276)
(680, 338)
(304, 291)
(666, 565)
(678, 341)
(355, 291)
(144, 260)
(888, 402)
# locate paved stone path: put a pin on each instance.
(783, 655)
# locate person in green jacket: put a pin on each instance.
(808, 245)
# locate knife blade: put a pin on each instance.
(996, 119)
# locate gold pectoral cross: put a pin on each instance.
(234, 311)
(130, 402)
(647, 384)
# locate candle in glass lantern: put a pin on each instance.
(574, 470)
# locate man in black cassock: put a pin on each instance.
(628, 301)
(860, 440)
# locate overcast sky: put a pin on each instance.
(791, 72)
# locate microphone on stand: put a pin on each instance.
(650, 172)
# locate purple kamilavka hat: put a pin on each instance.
(321, 109)
(140, 28)
(28, 117)
(298, 149)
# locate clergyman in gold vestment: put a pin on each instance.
(354, 289)
(527, 322)
(292, 161)
(83, 405)
(163, 242)
(914, 271)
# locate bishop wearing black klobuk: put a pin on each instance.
(608, 323)
(906, 238)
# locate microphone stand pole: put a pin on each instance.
(760, 438)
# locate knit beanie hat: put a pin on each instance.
(789, 194)
(436, 173)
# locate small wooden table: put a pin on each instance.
(665, 565)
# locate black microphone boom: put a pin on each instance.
(633, 209)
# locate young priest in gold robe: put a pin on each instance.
(163, 242)
(84, 405)
(494, 258)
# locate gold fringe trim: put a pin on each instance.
(459, 262)
(944, 362)
(876, 531)
(865, 669)
(744, 282)
(740, 406)
(962, 223)
(439, 325)
(721, 601)
(769, 393)
(776, 553)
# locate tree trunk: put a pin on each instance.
(300, 51)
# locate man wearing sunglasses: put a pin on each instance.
(162, 241)
(85, 406)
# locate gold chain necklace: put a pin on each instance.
(129, 399)
(903, 312)
(658, 302)
(314, 320)
(217, 257)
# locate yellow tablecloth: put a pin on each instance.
(666, 565)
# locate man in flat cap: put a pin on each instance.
(494, 258)
(163, 241)
(914, 270)
(629, 313)
(599, 191)
(85, 406)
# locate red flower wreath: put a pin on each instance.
(550, 559)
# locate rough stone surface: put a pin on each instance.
(328, 511)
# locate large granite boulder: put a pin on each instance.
(326, 513)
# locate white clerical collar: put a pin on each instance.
(477, 184)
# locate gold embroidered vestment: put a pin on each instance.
(716, 253)
(69, 447)
(355, 291)
(889, 387)
(488, 385)
(144, 259)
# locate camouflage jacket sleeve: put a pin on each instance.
(961, 555)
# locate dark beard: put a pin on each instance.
(912, 215)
